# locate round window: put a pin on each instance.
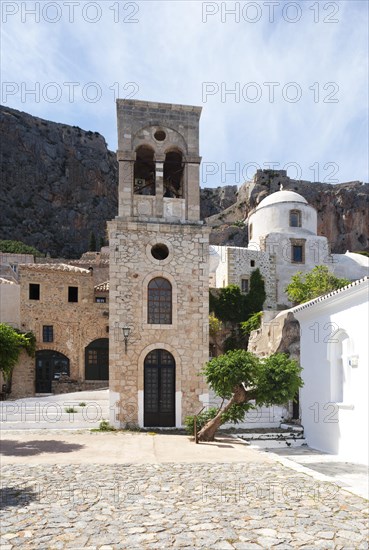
(160, 135)
(160, 251)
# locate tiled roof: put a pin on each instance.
(54, 267)
(102, 287)
(326, 296)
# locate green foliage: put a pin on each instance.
(213, 300)
(12, 341)
(307, 286)
(252, 323)
(236, 413)
(92, 243)
(229, 306)
(83, 404)
(70, 410)
(233, 306)
(17, 247)
(227, 371)
(363, 252)
(268, 381)
(234, 341)
(255, 299)
(239, 223)
(278, 380)
(202, 419)
(104, 426)
(215, 325)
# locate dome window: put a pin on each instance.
(295, 218)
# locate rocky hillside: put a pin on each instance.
(59, 186)
(343, 210)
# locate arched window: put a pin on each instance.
(340, 368)
(173, 175)
(97, 360)
(144, 171)
(295, 218)
(159, 303)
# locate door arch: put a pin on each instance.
(50, 365)
(159, 389)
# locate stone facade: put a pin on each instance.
(231, 265)
(172, 223)
(74, 324)
(282, 241)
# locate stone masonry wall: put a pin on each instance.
(131, 268)
(240, 267)
(75, 324)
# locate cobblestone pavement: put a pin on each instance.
(192, 506)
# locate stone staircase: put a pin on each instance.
(288, 435)
(50, 412)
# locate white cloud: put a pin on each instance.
(171, 52)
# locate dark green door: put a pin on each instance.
(159, 389)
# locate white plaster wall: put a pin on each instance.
(340, 428)
(10, 304)
(275, 218)
(262, 417)
(218, 256)
(350, 265)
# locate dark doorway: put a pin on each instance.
(159, 389)
(97, 360)
(50, 365)
(296, 407)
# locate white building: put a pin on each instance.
(334, 358)
(282, 240)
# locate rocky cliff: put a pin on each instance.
(59, 186)
(343, 210)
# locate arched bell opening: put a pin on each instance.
(144, 171)
(173, 175)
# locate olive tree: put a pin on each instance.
(244, 381)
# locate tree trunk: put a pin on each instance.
(207, 433)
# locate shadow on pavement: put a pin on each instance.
(10, 447)
(14, 497)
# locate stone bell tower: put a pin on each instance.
(158, 268)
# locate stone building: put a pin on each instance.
(283, 239)
(69, 317)
(159, 274)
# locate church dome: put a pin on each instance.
(281, 196)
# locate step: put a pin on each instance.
(277, 436)
(273, 440)
(292, 427)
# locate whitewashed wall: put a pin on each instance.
(334, 358)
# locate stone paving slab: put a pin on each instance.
(163, 491)
(193, 506)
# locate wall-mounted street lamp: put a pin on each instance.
(126, 332)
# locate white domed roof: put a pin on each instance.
(281, 196)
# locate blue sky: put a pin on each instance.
(298, 71)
